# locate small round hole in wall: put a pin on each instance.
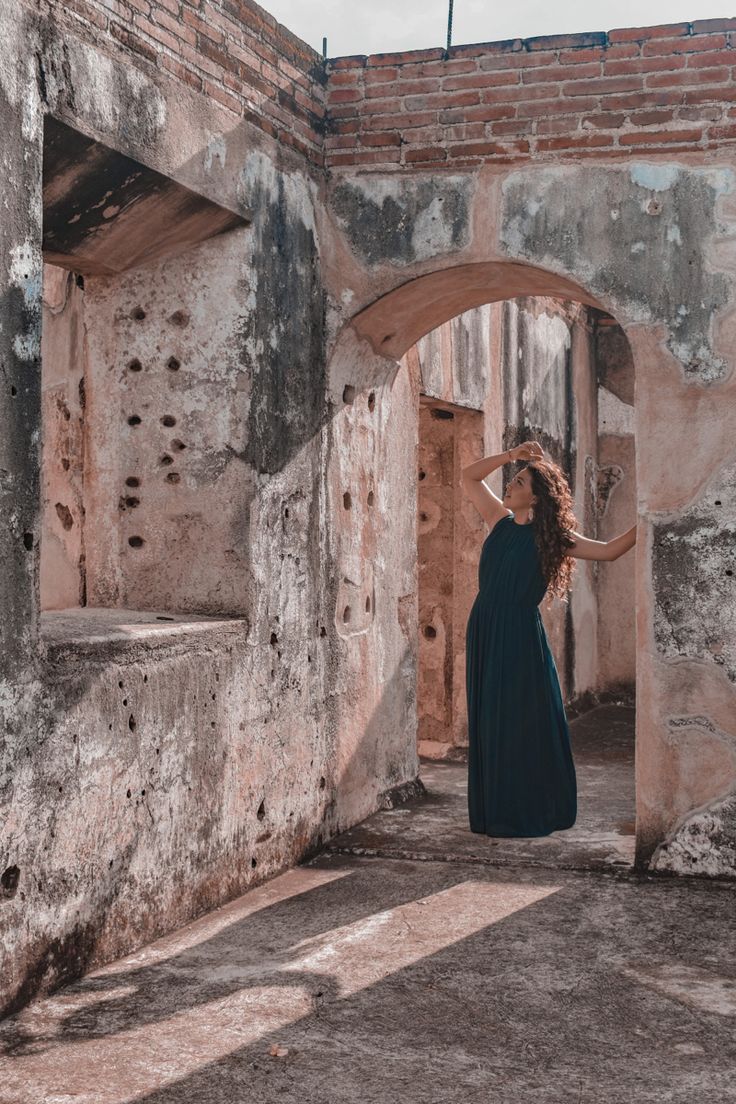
(138, 314)
(348, 393)
(166, 459)
(173, 364)
(729, 571)
(423, 516)
(253, 863)
(422, 474)
(347, 500)
(132, 725)
(9, 880)
(28, 542)
(346, 614)
(323, 631)
(132, 481)
(179, 318)
(274, 638)
(371, 498)
(136, 542)
(134, 420)
(717, 502)
(372, 400)
(131, 502)
(13, 390)
(135, 365)
(173, 477)
(430, 632)
(261, 810)
(168, 420)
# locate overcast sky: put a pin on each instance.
(379, 26)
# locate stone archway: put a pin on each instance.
(547, 230)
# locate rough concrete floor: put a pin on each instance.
(427, 982)
(436, 826)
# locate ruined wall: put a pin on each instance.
(633, 90)
(157, 763)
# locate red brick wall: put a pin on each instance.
(231, 50)
(655, 89)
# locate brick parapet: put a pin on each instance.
(652, 89)
(231, 50)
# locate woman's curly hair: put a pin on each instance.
(553, 521)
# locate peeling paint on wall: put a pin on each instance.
(388, 219)
(560, 218)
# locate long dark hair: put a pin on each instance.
(553, 521)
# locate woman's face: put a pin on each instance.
(519, 494)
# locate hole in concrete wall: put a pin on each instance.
(64, 515)
(253, 863)
(132, 723)
(166, 459)
(372, 400)
(347, 500)
(138, 314)
(168, 420)
(423, 515)
(135, 365)
(179, 318)
(28, 541)
(368, 604)
(173, 477)
(173, 364)
(322, 782)
(178, 445)
(422, 474)
(348, 393)
(323, 631)
(136, 542)
(9, 881)
(717, 502)
(371, 497)
(131, 502)
(132, 481)
(430, 632)
(164, 617)
(346, 614)
(128, 793)
(729, 571)
(438, 412)
(134, 420)
(13, 390)
(80, 281)
(274, 638)
(261, 810)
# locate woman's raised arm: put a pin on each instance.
(587, 549)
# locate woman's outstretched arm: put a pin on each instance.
(587, 549)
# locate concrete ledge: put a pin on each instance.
(90, 631)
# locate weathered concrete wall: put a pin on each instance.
(154, 764)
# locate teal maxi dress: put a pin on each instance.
(521, 775)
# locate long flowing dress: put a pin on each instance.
(521, 775)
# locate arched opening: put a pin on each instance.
(497, 354)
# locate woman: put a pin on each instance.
(521, 776)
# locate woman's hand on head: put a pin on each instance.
(529, 450)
